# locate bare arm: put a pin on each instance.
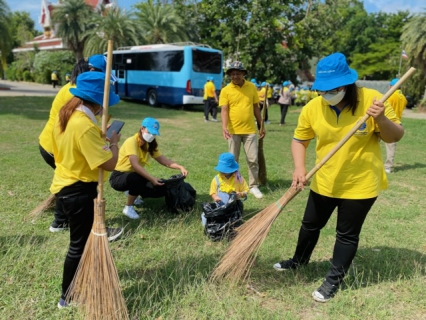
(111, 163)
(171, 164)
(134, 161)
(224, 113)
(389, 131)
(298, 151)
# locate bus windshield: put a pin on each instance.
(206, 61)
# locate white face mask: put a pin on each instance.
(334, 99)
(148, 137)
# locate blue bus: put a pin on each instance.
(172, 74)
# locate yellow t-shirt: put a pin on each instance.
(54, 76)
(79, 151)
(235, 183)
(131, 147)
(205, 91)
(269, 94)
(398, 102)
(63, 96)
(209, 89)
(356, 171)
(261, 94)
(240, 101)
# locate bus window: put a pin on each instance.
(206, 61)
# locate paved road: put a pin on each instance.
(12, 88)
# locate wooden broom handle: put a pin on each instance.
(391, 90)
(262, 125)
(107, 87)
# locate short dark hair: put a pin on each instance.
(80, 67)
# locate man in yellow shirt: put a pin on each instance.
(398, 102)
(54, 78)
(240, 108)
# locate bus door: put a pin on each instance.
(121, 85)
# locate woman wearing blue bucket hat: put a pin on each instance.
(79, 152)
(130, 173)
(351, 180)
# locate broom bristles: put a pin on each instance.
(236, 264)
(43, 206)
(96, 286)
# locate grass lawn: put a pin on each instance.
(164, 260)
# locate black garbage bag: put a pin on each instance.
(221, 220)
(180, 195)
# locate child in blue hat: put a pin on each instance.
(228, 180)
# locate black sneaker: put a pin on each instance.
(325, 292)
(57, 227)
(114, 233)
(286, 265)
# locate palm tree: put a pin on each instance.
(73, 20)
(160, 23)
(116, 25)
(413, 38)
(6, 37)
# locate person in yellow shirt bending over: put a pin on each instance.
(398, 102)
(240, 108)
(130, 173)
(349, 181)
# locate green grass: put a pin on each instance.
(164, 260)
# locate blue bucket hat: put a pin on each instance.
(211, 78)
(333, 72)
(263, 84)
(152, 125)
(253, 80)
(394, 81)
(97, 61)
(90, 87)
(227, 163)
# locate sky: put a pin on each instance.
(389, 6)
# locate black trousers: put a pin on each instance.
(210, 107)
(350, 218)
(77, 203)
(136, 184)
(60, 217)
(284, 109)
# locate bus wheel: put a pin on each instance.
(152, 98)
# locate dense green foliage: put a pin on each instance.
(275, 39)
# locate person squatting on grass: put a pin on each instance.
(398, 102)
(130, 174)
(94, 63)
(240, 108)
(79, 153)
(351, 180)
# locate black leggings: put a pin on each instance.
(76, 202)
(284, 108)
(136, 185)
(350, 218)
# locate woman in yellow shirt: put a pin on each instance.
(130, 174)
(351, 180)
(79, 152)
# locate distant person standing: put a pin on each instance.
(262, 94)
(67, 77)
(240, 108)
(54, 78)
(284, 101)
(211, 100)
(398, 102)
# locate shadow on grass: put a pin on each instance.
(413, 166)
(371, 266)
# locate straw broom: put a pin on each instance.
(47, 204)
(262, 176)
(96, 287)
(235, 265)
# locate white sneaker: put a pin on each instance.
(256, 192)
(214, 120)
(130, 212)
(388, 170)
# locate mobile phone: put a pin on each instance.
(116, 126)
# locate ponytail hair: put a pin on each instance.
(66, 112)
